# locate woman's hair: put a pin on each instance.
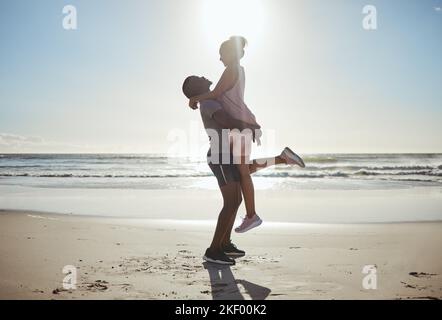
(234, 47)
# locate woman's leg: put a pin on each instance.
(258, 164)
(247, 186)
(248, 189)
(246, 168)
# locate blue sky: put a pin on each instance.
(315, 77)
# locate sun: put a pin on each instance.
(224, 18)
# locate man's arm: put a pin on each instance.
(225, 120)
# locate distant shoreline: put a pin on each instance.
(138, 220)
(292, 206)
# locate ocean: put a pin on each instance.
(148, 171)
(332, 188)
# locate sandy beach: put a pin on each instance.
(121, 258)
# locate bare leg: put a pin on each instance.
(247, 186)
(258, 164)
(230, 207)
(246, 169)
(248, 189)
(228, 233)
(247, 183)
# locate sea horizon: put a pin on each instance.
(377, 187)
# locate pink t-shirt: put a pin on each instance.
(233, 101)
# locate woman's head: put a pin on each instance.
(232, 50)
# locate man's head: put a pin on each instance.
(194, 86)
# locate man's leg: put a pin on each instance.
(228, 234)
(230, 207)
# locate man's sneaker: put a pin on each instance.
(218, 257)
(231, 250)
(292, 158)
(249, 223)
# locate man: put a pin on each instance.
(215, 119)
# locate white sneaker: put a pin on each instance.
(292, 158)
(248, 223)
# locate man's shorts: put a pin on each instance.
(224, 173)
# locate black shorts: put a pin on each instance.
(225, 173)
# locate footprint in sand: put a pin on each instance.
(422, 274)
(409, 285)
(59, 290)
(98, 285)
(419, 298)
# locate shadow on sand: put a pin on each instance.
(225, 286)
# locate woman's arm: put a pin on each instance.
(226, 82)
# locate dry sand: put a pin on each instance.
(148, 259)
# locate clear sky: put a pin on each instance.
(315, 77)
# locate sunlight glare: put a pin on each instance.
(224, 18)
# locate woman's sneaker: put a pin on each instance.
(218, 257)
(292, 158)
(231, 250)
(249, 223)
